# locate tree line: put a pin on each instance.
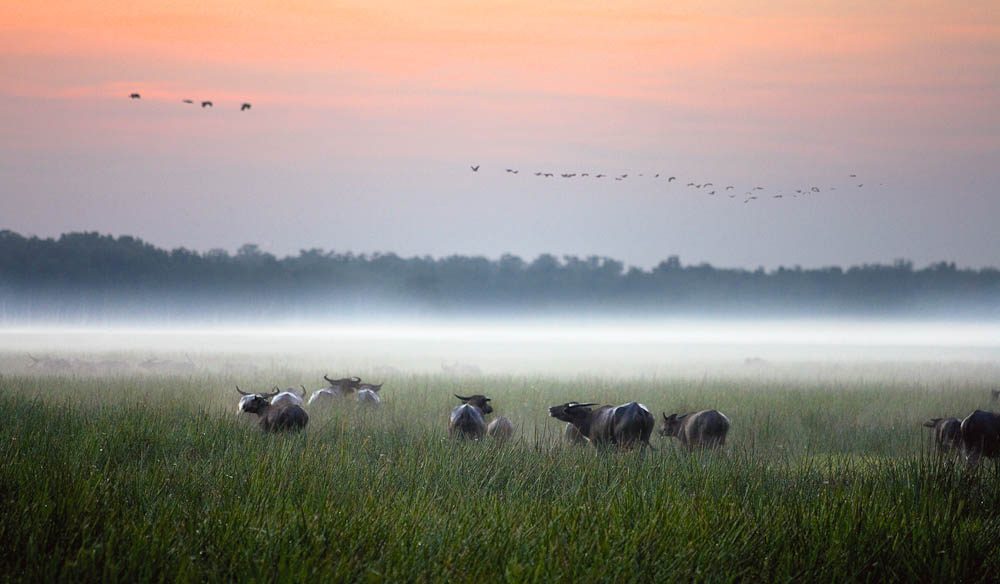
(94, 275)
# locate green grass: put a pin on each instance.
(155, 478)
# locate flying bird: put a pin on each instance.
(854, 176)
(729, 188)
(548, 175)
(600, 175)
(206, 104)
(475, 168)
(187, 101)
(512, 171)
(671, 179)
(244, 107)
(814, 189)
(134, 96)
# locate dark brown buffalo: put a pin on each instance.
(947, 433)
(707, 428)
(980, 436)
(625, 425)
(274, 418)
(467, 420)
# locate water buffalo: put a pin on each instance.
(706, 428)
(466, 420)
(947, 433)
(275, 418)
(368, 394)
(337, 388)
(289, 396)
(500, 429)
(980, 436)
(624, 425)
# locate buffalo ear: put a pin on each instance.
(931, 423)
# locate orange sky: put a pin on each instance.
(792, 88)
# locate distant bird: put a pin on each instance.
(708, 185)
(600, 175)
(512, 171)
(206, 104)
(548, 174)
(854, 176)
(814, 189)
(134, 96)
(618, 178)
(758, 188)
(777, 196)
(798, 191)
(729, 188)
(585, 174)
(187, 101)
(697, 186)
(732, 196)
(624, 176)
(475, 168)
(244, 107)
(861, 185)
(711, 192)
(671, 179)
(690, 184)
(657, 175)
(538, 174)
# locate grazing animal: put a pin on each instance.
(368, 394)
(707, 428)
(622, 426)
(134, 96)
(500, 429)
(573, 436)
(289, 396)
(275, 418)
(338, 388)
(947, 433)
(980, 436)
(467, 420)
(995, 394)
(244, 107)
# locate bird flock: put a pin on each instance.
(205, 104)
(747, 194)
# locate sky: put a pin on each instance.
(367, 116)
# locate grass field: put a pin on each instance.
(826, 477)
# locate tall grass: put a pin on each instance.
(156, 478)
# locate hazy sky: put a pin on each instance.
(367, 115)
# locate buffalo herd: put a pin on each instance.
(625, 426)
